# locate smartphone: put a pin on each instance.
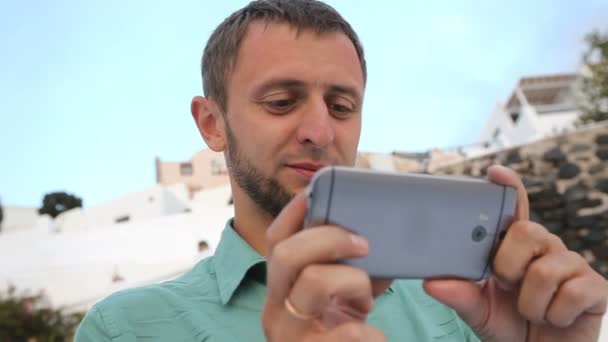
(417, 226)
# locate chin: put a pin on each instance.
(294, 189)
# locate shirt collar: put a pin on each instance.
(232, 260)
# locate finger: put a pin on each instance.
(317, 285)
(278, 324)
(337, 312)
(316, 245)
(353, 331)
(464, 296)
(542, 280)
(287, 223)
(524, 242)
(505, 176)
(584, 295)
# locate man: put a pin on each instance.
(284, 83)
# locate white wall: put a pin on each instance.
(154, 202)
(175, 199)
(381, 162)
(556, 123)
(529, 127)
(75, 267)
(526, 128)
(499, 119)
(494, 121)
(17, 218)
(210, 199)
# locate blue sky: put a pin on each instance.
(92, 91)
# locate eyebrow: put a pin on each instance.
(297, 84)
(277, 84)
(340, 89)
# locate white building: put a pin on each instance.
(78, 266)
(538, 107)
(18, 218)
(151, 203)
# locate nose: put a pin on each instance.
(316, 125)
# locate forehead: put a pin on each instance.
(279, 50)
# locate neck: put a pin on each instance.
(250, 222)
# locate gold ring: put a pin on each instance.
(297, 313)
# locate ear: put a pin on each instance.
(210, 122)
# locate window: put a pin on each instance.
(122, 219)
(514, 117)
(203, 246)
(185, 169)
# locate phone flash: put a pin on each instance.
(483, 217)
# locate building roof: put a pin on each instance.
(545, 91)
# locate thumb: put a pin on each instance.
(465, 297)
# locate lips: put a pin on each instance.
(306, 169)
(308, 166)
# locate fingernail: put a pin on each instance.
(360, 242)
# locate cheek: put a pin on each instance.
(347, 137)
(264, 139)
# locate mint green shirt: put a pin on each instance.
(222, 297)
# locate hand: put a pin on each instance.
(310, 297)
(540, 291)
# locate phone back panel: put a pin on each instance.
(417, 226)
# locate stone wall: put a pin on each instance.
(567, 181)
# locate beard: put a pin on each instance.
(267, 193)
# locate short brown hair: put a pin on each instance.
(222, 48)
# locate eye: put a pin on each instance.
(281, 104)
(278, 104)
(340, 107)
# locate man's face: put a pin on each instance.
(293, 106)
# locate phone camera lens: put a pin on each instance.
(479, 233)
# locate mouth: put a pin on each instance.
(306, 169)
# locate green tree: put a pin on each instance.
(26, 317)
(55, 203)
(595, 84)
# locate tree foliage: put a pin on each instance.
(56, 203)
(28, 318)
(595, 82)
